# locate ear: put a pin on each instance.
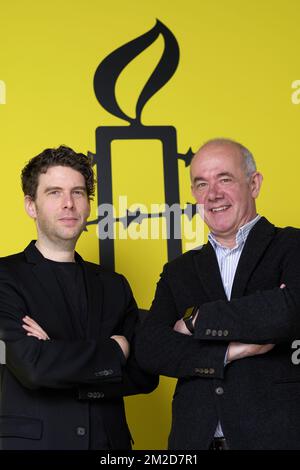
(255, 184)
(30, 206)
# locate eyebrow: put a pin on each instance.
(59, 188)
(219, 175)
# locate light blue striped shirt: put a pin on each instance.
(228, 259)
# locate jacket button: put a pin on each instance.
(219, 390)
(104, 372)
(95, 395)
(208, 332)
(80, 431)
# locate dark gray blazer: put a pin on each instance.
(257, 399)
(54, 392)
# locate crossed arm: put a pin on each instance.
(35, 330)
(83, 363)
(253, 324)
(236, 350)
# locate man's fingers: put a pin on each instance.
(180, 327)
(38, 333)
(29, 321)
(282, 286)
(28, 328)
(242, 350)
(33, 327)
(38, 336)
(35, 336)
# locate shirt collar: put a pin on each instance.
(241, 235)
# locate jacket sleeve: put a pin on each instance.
(53, 363)
(134, 379)
(267, 316)
(161, 350)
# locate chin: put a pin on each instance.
(221, 229)
(69, 236)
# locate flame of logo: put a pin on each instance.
(110, 68)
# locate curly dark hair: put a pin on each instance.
(62, 156)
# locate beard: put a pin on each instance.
(57, 233)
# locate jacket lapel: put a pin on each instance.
(207, 268)
(257, 242)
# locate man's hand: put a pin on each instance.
(242, 350)
(180, 326)
(123, 343)
(34, 329)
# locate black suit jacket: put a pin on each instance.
(257, 399)
(54, 392)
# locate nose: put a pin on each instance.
(214, 193)
(68, 202)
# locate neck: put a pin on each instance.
(229, 240)
(63, 253)
(226, 242)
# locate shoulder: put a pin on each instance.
(289, 231)
(282, 240)
(184, 262)
(12, 262)
(13, 269)
(287, 235)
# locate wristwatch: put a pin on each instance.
(188, 318)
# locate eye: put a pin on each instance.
(200, 185)
(226, 180)
(78, 192)
(55, 192)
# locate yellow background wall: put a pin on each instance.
(237, 65)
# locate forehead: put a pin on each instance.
(214, 159)
(61, 176)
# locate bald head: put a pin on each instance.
(231, 147)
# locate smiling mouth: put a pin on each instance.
(220, 209)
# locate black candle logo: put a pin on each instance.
(105, 79)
